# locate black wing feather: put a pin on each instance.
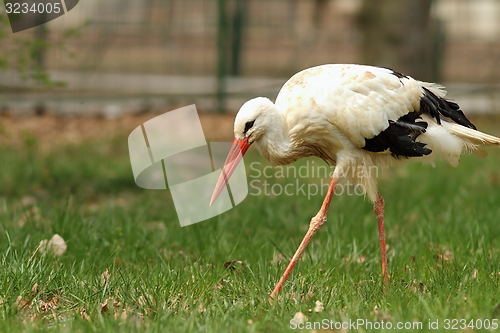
(437, 106)
(399, 137)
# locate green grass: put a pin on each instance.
(129, 266)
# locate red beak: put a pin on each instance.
(238, 149)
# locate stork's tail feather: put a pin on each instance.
(473, 139)
(473, 136)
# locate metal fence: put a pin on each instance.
(177, 47)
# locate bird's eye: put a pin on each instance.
(248, 125)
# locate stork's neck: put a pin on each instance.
(275, 144)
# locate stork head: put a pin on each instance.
(251, 123)
(253, 119)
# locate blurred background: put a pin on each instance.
(122, 57)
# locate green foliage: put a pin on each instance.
(77, 30)
(4, 24)
(23, 54)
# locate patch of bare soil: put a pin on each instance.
(51, 131)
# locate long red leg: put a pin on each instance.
(378, 209)
(316, 223)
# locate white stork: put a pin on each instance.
(353, 116)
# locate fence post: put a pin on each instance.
(238, 22)
(221, 56)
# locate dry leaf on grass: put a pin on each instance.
(233, 264)
(34, 290)
(300, 317)
(84, 315)
(55, 246)
(44, 306)
(319, 307)
(222, 283)
(443, 253)
(104, 277)
(201, 308)
(110, 303)
(418, 286)
(118, 310)
(22, 303)
(361, 259)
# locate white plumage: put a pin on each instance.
(353, 116)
